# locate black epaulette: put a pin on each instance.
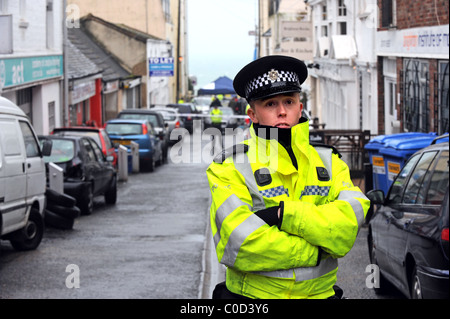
(335, 151)
(235, 149)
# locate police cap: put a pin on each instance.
(270, 75)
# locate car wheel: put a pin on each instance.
(416, 287)
(57, 221)
(87, 204)
(111, 193)
(29, 237)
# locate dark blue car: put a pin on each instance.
(125, 131)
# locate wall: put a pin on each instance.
(144, 15)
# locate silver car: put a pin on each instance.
(172, 118)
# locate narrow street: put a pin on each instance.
(155, 243)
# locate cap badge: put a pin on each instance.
(274, 75)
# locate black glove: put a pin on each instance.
(270, 215)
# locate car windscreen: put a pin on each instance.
(124, 129)
(93, 135)
(151, 118)
(62, 151)
(168, 116)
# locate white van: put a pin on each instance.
(22, 179)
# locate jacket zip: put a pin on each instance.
(288, 148)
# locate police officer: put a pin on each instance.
(216, 117)
(283, 211)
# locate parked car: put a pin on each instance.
(22, 179)
(155, 119)
(188, 112)
(173, 120)
(98, 134)
(87, 172)
(125, 131)
(409, 232)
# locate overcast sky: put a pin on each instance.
(219, 43)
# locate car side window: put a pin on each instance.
(418, 180)
(98, 151)
(31, 144)
(396, 191)
(439, 181)
(106, 139)
(89, 151)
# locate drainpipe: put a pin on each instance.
(65, 107)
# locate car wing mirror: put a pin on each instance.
(47, 147)
(376, 196)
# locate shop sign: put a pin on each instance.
(81, 91)
(427, 42)
(19, 71)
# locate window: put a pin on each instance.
(388, 17)
(90, 154)
(31, 145)
(442, 113)
(324, 12)
(439, 181)
(416, 91)
(50, 25)
(98, 151)
(9, 138)
(3, 6)
(166, 9)
(418, 179)
(342, 10)
(342, 28)
(51, 116)
(395, 194)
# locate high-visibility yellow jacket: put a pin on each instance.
(322, 212)
(216, 115)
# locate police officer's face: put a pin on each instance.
(282, 111)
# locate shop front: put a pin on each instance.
(35, 85)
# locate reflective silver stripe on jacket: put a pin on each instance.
(248, 226)
(303, 273)
(351, 198)
(227, 207)
(242, 164)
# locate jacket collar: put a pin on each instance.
(276, 142)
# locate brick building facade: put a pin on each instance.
(413, 69)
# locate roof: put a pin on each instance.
(79, 66)
(129, 31)
(103, 59)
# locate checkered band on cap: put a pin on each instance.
(271, 77)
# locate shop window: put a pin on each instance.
(441, 98)
(416, 91)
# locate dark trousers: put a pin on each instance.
(221, 292)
